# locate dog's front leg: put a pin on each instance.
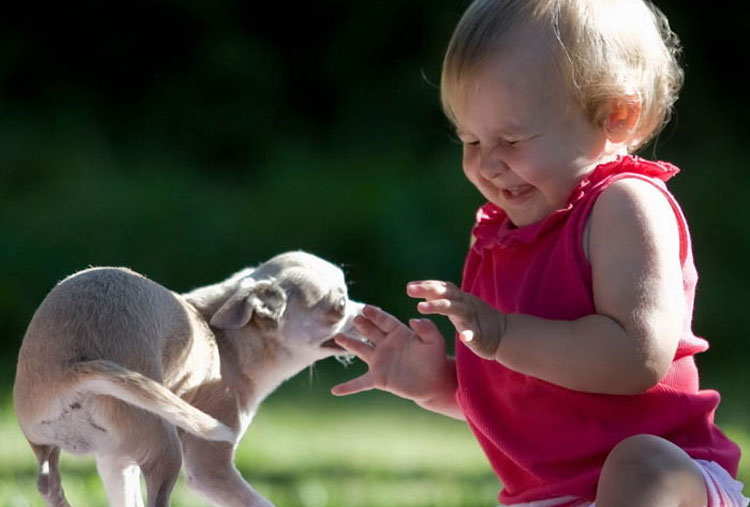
(210, 471)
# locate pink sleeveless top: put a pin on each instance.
(546, 441)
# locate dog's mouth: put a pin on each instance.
(332, 345)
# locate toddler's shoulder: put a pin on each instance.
(633, 210)
(629, 199)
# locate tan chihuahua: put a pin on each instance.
(118, 366)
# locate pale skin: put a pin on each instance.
(624, 348)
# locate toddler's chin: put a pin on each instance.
(524, 219)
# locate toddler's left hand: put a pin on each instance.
(479, 325)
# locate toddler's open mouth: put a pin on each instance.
(517, 191)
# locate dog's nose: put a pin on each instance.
(353, 309)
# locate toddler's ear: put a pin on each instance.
(622, 119)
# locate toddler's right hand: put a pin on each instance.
(407, 361)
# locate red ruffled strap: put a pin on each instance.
(494, 228)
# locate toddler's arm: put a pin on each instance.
(629, 343)
(408, 362)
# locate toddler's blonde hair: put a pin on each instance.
(605, 51)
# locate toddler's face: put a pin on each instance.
(525, 147)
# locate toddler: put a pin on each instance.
(574, 362)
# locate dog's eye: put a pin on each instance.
(341, 305)
(336, 310)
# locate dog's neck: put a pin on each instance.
(252, 358)
(208, 299)
(254, 364)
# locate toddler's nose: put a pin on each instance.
(491, 166)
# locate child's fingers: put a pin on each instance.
(426, 289)
(465, 313)
(357, 347)
(383, 320)
(432, 289)
(368, 329)
(426, 331)
(461, 315)
(446, 307)
(356, 385)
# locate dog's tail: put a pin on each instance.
(107, 378)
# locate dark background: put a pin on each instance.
(187, 139)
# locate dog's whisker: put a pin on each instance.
(345, 359)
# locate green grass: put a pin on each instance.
(308, 449)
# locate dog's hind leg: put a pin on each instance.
(49, 483)
(121, 478)
(162, 467)
(144, 444)
(211, 472)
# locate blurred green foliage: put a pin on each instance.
(188, 139)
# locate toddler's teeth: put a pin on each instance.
(517, 190)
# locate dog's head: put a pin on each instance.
(301, 297)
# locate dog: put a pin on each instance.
(115, 365)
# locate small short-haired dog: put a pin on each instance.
(117, 366)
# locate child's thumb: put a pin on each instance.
(483, 345)
(466, 336)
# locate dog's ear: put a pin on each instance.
(263, 298)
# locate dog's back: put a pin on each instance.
(113, 364)
(100, 331)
